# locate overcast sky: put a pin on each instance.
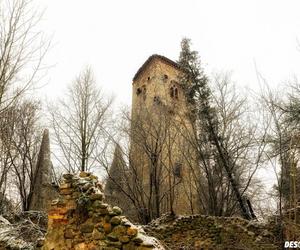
(116, 37)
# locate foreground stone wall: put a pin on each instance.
(79, 219)
(207, 232)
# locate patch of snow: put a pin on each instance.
(9, 237)
(4, 221)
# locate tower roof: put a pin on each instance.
(150, 59)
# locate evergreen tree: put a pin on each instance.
(286, 145)
(198, 94)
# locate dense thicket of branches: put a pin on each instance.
(284, 141)
(22, 50)
(20, 138)
(141, 169)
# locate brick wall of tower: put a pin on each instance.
(158, 78)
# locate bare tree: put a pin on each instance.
(150, 161)
(211, 130)
(22, 135)
(283, 151)
(146, 160)
(79, 123)
(278, 152)
(6, 134)
(242, 139)
(22, 49)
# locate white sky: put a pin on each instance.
(115, 37)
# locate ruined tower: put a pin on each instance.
(43, 191)
(161, 152)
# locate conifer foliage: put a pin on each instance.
(198, 94)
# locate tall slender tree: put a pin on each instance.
(198, 94)
(22, 49)
(22, 135)
(79, 123)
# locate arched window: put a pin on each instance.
(138, 91)
(156, 100)
(177, 170)
(142, 91)
(165, 78)
(174, 92)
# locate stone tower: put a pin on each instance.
(161, 130)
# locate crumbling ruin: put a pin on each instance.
(80, 219)
(43, 191)
(211, 232)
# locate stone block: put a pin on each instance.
(65, 185)
(97, 196)
(107, 227)
(95, 225)
(87, 227)
(69, 234)
(124, 238)
(117, 210)
(68, 176)
(66, 191)
(116, 220)
(98, 235)
(81, 246)
(132, 231)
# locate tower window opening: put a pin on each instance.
(177, 170)
(138, 91)
(148, 78)
(171, 93)
(144, 91)
(156, 100)
(141, 91)
(165, 78)
(174, 92)
(171, 111)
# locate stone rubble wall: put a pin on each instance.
(79, 219)
(197, 232)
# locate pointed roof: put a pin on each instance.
(150, 59)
